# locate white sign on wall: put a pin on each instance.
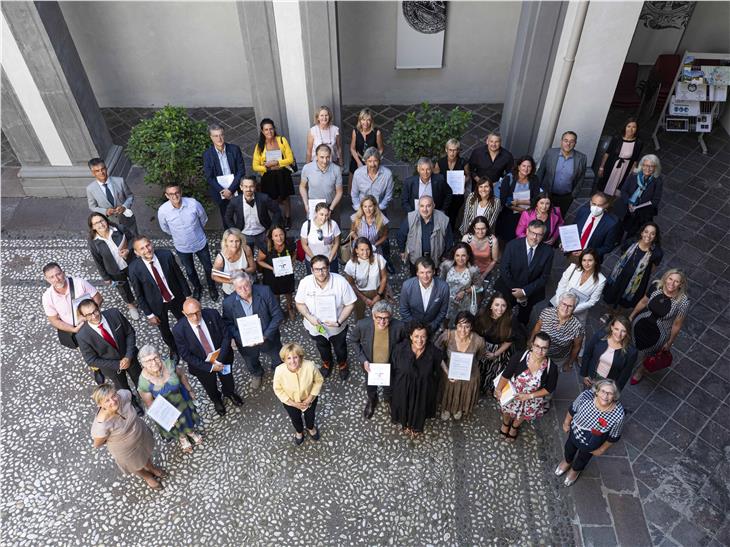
(420, 35)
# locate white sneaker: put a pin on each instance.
(445, 415)
(134, 314)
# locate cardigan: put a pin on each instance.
(299, 385)
(621, 367)
(518, 365)
(556, 221)
(259, 157)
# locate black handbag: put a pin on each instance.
(68, 339)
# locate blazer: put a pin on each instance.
(259, 158)
(267, 209)
(411, 303)
(96, 197)
(212, 169)
(652, 192)
(515, 274)
(98, 353)
(442, 193)
(546, 171)
(363, 333)
(264, 304)
(604, 237)
(556, 221)
(622, 365)
(102, 256)
(145, 287)
(191, 350)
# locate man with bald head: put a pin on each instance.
(425, 232)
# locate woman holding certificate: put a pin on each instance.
(367, 276)
(517, 189)
(124, 434)
(235, 256)
(321, 236)
(163, 379)
(458, 391)
(494, 324)
(273, 160)
(279, 281)
(531, 377)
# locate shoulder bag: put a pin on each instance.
(68, 339)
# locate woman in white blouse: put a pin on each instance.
(321, 236)
(324, 132)
(109, 246)
(235, 256)
(367, 275)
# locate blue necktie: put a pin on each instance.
(109, 195)
(529, 255)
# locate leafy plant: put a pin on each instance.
(169, 146)
(424, 133)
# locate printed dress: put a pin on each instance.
(653, 325)
(526, 382)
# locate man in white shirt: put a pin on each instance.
(425, 298)
(597, 228)
(253, 213)
(110, 196)
(326, 300)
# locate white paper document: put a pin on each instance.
(325, 308)
(249, 329)
(379, 374)
(642, 205)
(312, 206)
(455, 179)
(272, 155)
(508, 391)
(224, 181)
(415, 204)
(128, 213)
(460, 365)
(522, 196)
(570, 238)
(77, 301)
(163, 413)
(282, 266)
(221, 273)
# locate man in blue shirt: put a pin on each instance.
(562, 171)
(184, 219)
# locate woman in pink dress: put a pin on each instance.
(621, 156)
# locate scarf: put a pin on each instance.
(637, 276)
(640, 187)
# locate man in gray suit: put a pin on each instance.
(110, 196)
(562, 171)
(425, 298)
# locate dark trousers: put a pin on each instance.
(372, 392)
(296, 416)
(576, 456)
(562, 201)
(119, 379)
(175, 306)
(338, 342)
(123, 286)
(210, 383)
(256, 242)
(204, 257)
(222, 207)
(251, 355)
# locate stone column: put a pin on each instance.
(50, 113)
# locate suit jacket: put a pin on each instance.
(411, 303)
(212, 169)
(99, 353)
(549, 163)
(363, 333)
(145, 287)
(102, 256)
(191, 350)
(267, 209)
(515, 274)
(507, 189)
(264, 304)
(603, 238)
(98, 202)
(652, 192)
(442, 193)
(622, 364)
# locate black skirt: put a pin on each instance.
(277, 183)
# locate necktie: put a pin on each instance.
(166, 296)
(530, 254)
(108, 337)
(586, 233)
(204, 340)
(109, 195)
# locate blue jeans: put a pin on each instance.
(251, 355)
(204, 257)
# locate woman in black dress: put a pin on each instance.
(521, 179)
(453, 161)
(621, 156)
(494, 324)
(273, 159)
(276, 247)
(415, 366)
(364, 136)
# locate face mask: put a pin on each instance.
(596, 211)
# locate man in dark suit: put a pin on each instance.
(197, 335)
(597, 228)
(562, 171)
(249, 299)
(423, 298)
(253, 213)
(525, 270)
(160, 287)
(364, 337)
(108, 342)
(426, 183)
(220, 159)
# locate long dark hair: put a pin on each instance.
(657, 239)
(270, 238)
(476, 221)
(467, 249)
(627, 122)
(484, 322)
(92, 232)
(537, 198)
(518, 162)
(478, 181)
(260, 146)
(596, 258)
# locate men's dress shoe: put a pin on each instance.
(256, 382)
(137, 406)
(219, 408)
(325, 370)
(197, 292)
(98, 376)
(134, 314)
(213, 293)
(236, 399)
(369, 409)
(344, 371)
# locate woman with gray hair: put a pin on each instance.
(593, 422)
(565, 330)
(163, 379)
(641, 194)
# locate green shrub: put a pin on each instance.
(169, 146)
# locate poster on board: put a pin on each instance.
(420, 35)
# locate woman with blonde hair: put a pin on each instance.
(324, 132)
(365, 135)
(370, 222)
(235, 256)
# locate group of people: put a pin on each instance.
(480, 263)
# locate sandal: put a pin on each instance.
(185, 445)
(197, 439)
(511, 438)
(505, 433)
(154, 484)
(159, 473)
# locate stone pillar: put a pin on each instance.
(50, 113)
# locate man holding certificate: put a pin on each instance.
(224, 169)
(326, 300)
(253, 316)
(374, 337)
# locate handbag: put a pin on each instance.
(301, 255)
(346, 249)
(68, 339)
(660, 360)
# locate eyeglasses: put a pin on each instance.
(99, 223)
(193, 313)
(604, 392)
(323, 269)
(92, 314)
(382, 318)
(535, 347)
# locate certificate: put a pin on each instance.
(76, 301)
(508, 391)
(379, 374)
(325, 308)
(127, 212)
(569, 238)
(282, 266)
(221, 273)
(249, 329)
(224, 181)
(460, 365)
(212, 356)
(163, 413)
(312, 205)
(522, 196)
(455, 179)
(415, 204)
(273, 155)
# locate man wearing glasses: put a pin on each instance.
(108, 342)
(374, 339)
(326, 300)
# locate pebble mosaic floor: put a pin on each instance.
(364, 483)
